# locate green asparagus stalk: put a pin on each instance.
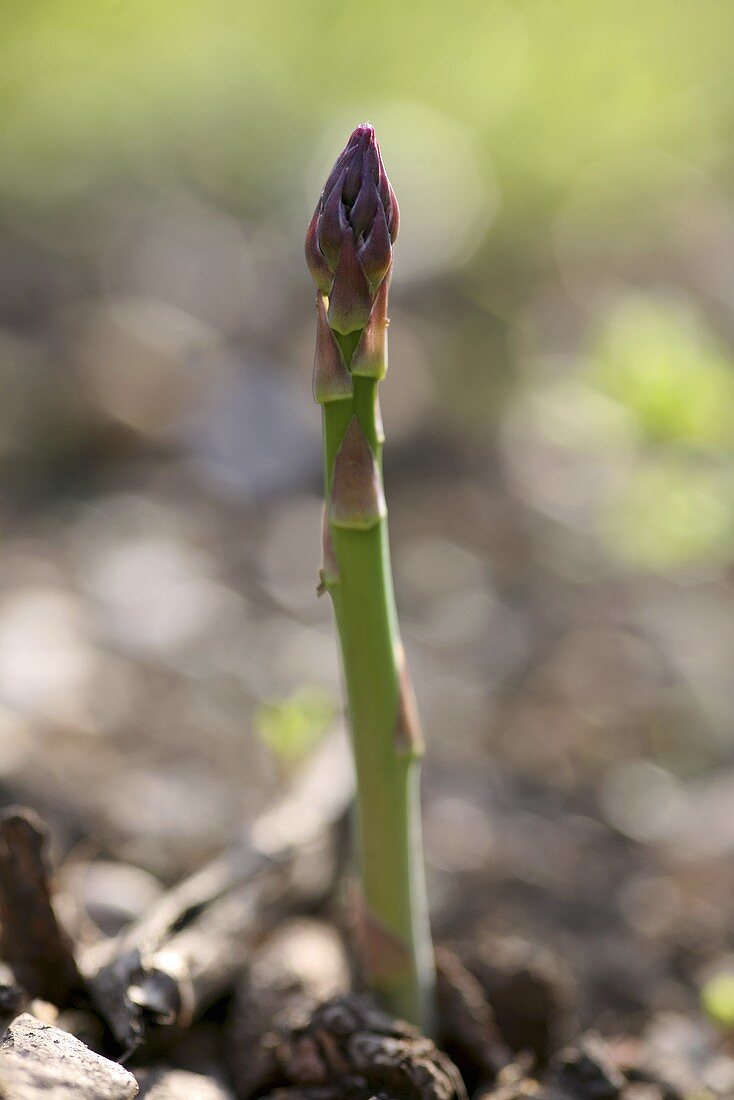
(349, 250)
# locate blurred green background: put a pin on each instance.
(565, 171)
(559, 412)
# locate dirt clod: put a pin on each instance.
(530, 991)
(348, 1048)
(588, 1069)
(468, 1030)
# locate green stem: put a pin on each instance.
(398, 955)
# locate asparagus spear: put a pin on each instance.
(349, 251)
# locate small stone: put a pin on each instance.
(39, 1061)
(179, 1084)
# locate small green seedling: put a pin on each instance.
(292, 727)
(717, 997)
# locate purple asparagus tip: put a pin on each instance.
(350, 237)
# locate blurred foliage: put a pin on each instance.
(675, 385)
(717, 997)
(649, 402)
(293, 726)
(233, 92)
(673, 379)
(671, 513)
(553, 159)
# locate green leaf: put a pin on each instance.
(292, 727)
(717, 998)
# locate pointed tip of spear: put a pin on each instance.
(357, 208)
(365, 130)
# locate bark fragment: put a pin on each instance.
(351, 1043)
(32, 941)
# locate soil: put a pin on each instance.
(577, 809)
(262, 1004)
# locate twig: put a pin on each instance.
(182, 955)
